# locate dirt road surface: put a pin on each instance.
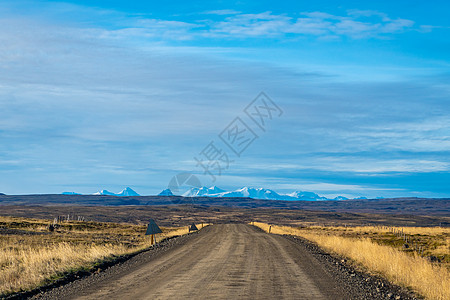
(225, 261)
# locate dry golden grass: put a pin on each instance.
(406, 269)
(433, 231)
(28, 266)
(432, 241)
(31, 256)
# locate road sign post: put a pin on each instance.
(152, 229)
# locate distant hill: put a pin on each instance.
(166, 192)
(412, 206)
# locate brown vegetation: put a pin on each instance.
(372, 248)
(31, 255)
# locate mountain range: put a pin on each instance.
(214, 191)
(256, 193)
(126, 192)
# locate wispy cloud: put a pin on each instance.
(361, 163)
(331, 187)
(313, 23)
(320, 24)
(222, 12)
(233, 24)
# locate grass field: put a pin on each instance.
(382, 251)
(430, 242)
(31, 255)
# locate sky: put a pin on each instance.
(108, 94)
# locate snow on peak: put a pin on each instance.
(192, 192)
(302, 195)
(250, 192)
(128, 192)
(214, 189)
(105, 192)
(124, 193)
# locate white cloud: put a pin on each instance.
(424, 135)
(313, 23)
(222, 12)
(234, 24)
(369, 165)
(368, 13)
(262, 24)
(329, 187)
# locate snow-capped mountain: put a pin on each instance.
(105, 192)
(127, 192)
(124, 193)
(204, 191)
(259, 193)
(306, 196)
(216, 190)
(70, 193)
(340, 198)
(256, 193)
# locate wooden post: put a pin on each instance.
(151, 240)
(270, 228)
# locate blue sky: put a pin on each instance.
(108, 94)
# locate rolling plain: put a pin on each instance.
(282, 249)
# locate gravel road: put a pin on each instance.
(230, 261)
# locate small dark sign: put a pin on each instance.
(193, 227)
(152, 228)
